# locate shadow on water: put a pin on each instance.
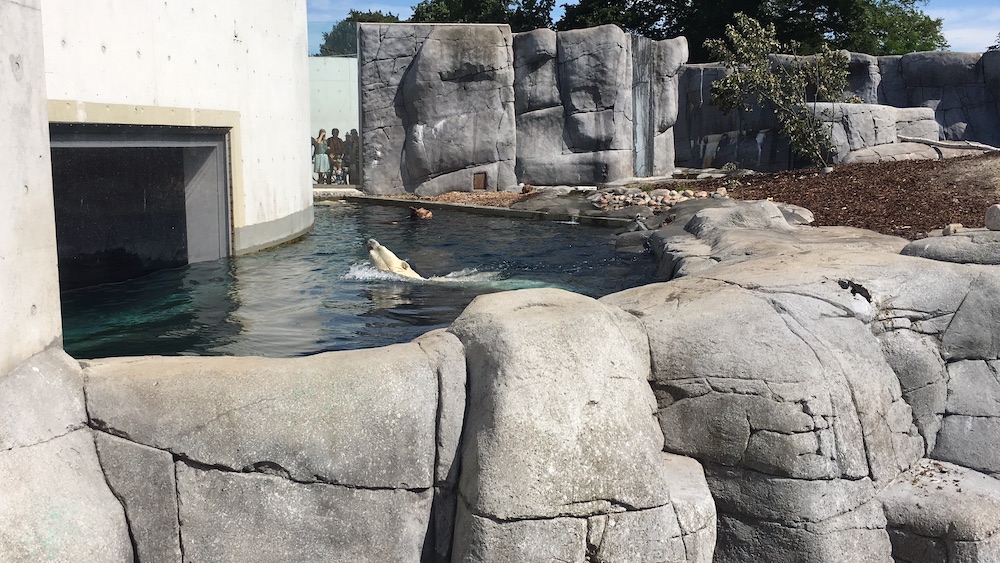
(320, 293)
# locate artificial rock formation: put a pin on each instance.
(57, 505)
(792, 393)
(927, 96)
(813, 371)
(360, 455)
(438, 105)
(574, 108)
(558, 398)
(446, 105)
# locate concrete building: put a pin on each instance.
(178, 130)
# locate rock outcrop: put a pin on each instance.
(559, 398)
(813, 371)
(927, 96)
(445, 106)
(439, 108)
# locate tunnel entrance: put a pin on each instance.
(130, 200)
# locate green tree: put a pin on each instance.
(873, 26)
(521, 15)
(785, 84)
(893, 27)
(995, 46)
(343, 38)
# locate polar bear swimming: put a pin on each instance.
(383, 259)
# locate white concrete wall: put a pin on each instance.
(29, 281)
(236, 63)
(333, 94)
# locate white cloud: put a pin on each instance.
(967, 26)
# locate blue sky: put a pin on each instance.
(969, 25)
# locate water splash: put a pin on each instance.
(466, 277)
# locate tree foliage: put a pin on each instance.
(995, 46)
(877, 27)
(786, 84)
(892, 27)
(343, 38)
(522, 15)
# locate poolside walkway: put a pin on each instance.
(328, 193)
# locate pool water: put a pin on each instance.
(320, 293)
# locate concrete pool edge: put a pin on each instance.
(350, 194)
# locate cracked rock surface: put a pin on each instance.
(810, 369)
(439, 107)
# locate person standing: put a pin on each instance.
(335, 150)
(352, 156)
(321, 162)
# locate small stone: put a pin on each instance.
(952, 229)
(993, 217)
(722, 192)
(701, 194)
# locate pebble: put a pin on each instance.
(656, 200)
(952, 229)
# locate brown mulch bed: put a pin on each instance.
(490, 199)
(905, 198)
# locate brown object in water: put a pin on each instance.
(420, 213)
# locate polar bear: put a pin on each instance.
(383, 259)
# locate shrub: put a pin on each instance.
(785, 83)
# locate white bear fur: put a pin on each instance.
(383, 259)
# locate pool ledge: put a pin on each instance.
(322, 194)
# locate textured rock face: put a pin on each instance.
(704, 137)
(442, 102)
(860, 128)
(439, 107)
(606, 492)
(955, 86)
(264, 460)
(936, 95)
(574, 125)
(810, 370)
(56, 503)
(944, 512)
(655, 99)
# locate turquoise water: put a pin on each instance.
(320, 293)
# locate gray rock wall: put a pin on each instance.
(442, 103)
(361, 455)
(791, 394)
(961, 88)
(575, 124)
(936, 96)
(438, 107)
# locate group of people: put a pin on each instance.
(335, 160)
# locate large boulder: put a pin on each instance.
(354, 451)
(558, 397)
(943, 512)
